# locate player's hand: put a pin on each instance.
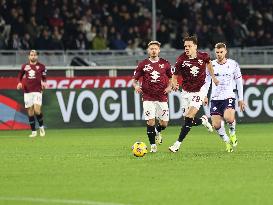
(242, 105)
(168, 90)
(138, 89)
(205, 101)
(44, 85)
(19, 86)
(175, 87)
(216, 81)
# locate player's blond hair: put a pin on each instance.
(220, 45)
(154, 43)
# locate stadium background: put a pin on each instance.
(90, 48)
(95, 45)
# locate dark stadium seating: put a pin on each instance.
(126, 24)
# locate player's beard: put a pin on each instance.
(33, 61)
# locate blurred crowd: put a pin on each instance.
(127, 24)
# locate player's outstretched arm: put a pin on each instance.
(211, 72)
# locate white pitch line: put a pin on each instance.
(57, 201)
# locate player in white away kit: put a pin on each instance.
(222, 103)
(156, 84)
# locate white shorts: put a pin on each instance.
(32, 98)
(192, 99)
(156, 109)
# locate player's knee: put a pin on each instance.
(164, 124)
(216, 125)
(151, 122)
(230, 119)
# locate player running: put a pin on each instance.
(191, 65)
(156, 84)
(222, 104)
(35, 82)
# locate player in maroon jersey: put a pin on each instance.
(156, 84)
(35, 82)
(193, 66)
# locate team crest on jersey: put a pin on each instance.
(200, 62)
(155, 75)
(194, 71)
(37, 67)
(186, 63)
(161, 65)
(27, 68)
(147, 68)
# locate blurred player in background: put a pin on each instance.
(192, 66)
(34, 83)
(222, 103)
(156, 84)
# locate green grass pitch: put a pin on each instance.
(96, 167)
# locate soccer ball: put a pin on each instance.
(139, 149)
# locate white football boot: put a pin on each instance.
(42, 131)
(205, 122)
(158, 138)
(153, 148)
(175, 147)
(33, 134)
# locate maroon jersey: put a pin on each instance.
(155, 80)
(34, 75)
(193, 71)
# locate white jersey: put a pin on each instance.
(229, 75)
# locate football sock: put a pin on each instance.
(31, 120)
(232, 127)
(151, 134)
(222, 132)
(159, 128)
(185, 129)
(40, 119)
(197, 122)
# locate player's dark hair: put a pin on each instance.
(191, 38)
(32, 51)
(220, 45)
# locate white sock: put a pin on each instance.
(222, 132)
(232, 127)
(177, 144)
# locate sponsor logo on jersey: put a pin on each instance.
(147, 68)
(186, 63)
(27, 68)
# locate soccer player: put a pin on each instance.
(35, 82)
(192, 65)
(156, 84)
(222, 104)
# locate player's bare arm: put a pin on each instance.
(137, 86)
(174, 82)
(211, 72)
(169, 88)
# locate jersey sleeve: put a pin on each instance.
(206, 58)
(21, 73)
(239, 81)
(138, 72)
(237, 71)
(44, 71)
(169, 71)
(177, 67)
